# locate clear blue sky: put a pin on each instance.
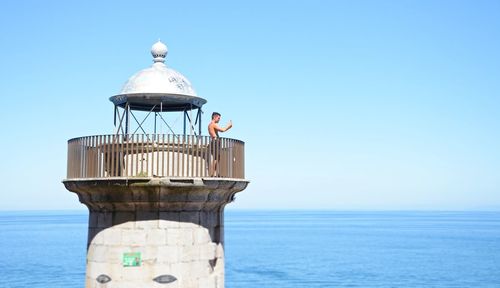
(342, 104)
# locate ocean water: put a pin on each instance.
(286, 249)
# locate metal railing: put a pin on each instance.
(155, 155)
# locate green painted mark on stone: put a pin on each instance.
(132, 259)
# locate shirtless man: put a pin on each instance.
(213, 131)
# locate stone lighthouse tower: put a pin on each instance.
(155, 212)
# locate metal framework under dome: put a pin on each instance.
(122, 120)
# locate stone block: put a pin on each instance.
(193, 206)
(174, 196)
(198, 196)
(209, 219)
(124, 206)
(173, 206)
(150, 254)
(168, 255)
(189, 253)
(156, 237)
(169, 220)
(104, 219)
(217, 234)
(146, 224)
(116, 271)
(133, 237)
(175, 270)
(91, 283)
(97, 253)
(161, 269)
(201, 236)
(112, 236)
(191, 217)
(186, 282)
(185, 236)
(124, 219)
(204, 218)
(219, 252)
(114, 255)
(145, 194)
(208, 251)
(173, 237)
(127, 284)
(185, 272)
(199, 269)
(218, 268)
(214, 236)
(219, 281)
(134, 274)
(95, 269)
(207, 282)
(93, 219)
(146, 215)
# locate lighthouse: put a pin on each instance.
(156, 214)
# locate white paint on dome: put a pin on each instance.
(158, 78)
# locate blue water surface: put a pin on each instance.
(286, 249)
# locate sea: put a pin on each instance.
(286, 249)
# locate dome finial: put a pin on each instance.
(159, 52)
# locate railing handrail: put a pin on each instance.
(154, 155)
(179, 135)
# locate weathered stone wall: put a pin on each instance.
(176, 226)
(185, 245)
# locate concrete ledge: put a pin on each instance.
(155, 194)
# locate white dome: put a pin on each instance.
(157, 85)
(158, 79)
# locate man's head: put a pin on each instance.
(216, 117)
